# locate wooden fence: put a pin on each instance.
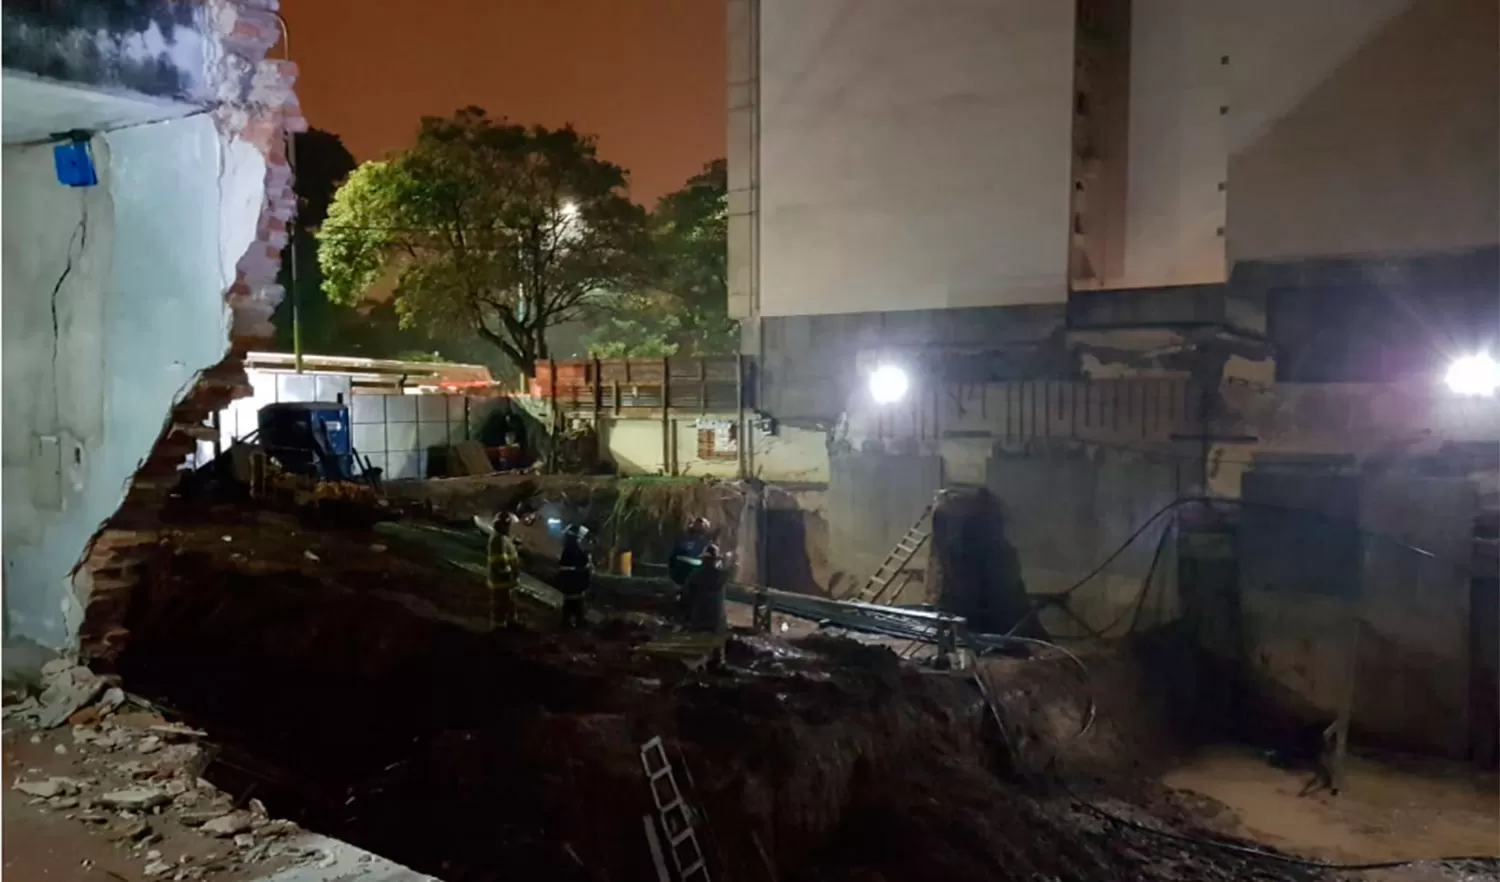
(644, 387)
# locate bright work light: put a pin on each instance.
(888, 384)
(1475, 375)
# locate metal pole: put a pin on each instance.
(291, 162)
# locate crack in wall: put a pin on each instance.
(81, 236)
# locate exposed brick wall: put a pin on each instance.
(258, 106)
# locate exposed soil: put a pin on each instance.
(356, 690)
(1388, 809)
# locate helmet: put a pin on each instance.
(700, 524)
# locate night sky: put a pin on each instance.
(645, 76)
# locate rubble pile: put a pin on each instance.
(96, 756)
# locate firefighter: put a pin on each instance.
(705, 594)
(503, 571)
(687, 557)
(573, 576)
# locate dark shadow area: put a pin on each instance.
(975, 570)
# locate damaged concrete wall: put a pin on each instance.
(151, 47)
(135, 269)
(1357, 588)
(1068, 508)
(196, 214)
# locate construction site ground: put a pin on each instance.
(349, 683)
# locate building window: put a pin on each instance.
(718, 439)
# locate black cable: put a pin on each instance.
(1210, 501)
(1247, 850)
(1237, 848)
(1262, 854)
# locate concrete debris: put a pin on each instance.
(244, 840)
(257, 808)
(174, 732)
(149, 744)
(131, 831)
(27, 705)
(52, 787)
(111, 700)
(156, 868)
(55, 667)
(310, 556)
(65, 692)
(62, 803)
(199, 817)
(134, 799)
(229, 825)
(277, 828)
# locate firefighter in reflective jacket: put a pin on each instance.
(573, 576)
(503, 571)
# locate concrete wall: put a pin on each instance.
(1067, 509)
(873, 499)
(1178, 156)
(932, 134)
(1362, 127)
(135, 270)
(151, 47)
(1339, 605)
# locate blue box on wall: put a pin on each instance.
(75, 164)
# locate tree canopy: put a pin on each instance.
(486, 228)
(684, 307)
(322, 164)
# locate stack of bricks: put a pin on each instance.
(256, 105)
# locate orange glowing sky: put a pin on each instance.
(645, 76)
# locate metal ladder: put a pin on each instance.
(884, 583)
(676, 822)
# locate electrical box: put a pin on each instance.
(75, 164)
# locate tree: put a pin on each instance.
(486, 228)
(684, 310)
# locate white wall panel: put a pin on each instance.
(914, 154)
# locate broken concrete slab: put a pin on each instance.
(136, 799)
(229, 825)
(51, 787)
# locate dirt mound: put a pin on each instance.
(355, 705)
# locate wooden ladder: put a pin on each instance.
(891, 576)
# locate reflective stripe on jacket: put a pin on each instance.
(504, 562)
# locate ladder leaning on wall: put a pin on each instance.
(885, 584)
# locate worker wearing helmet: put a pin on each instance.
(704, 594)
(687, 559)
(687, 555)
(503, 571)
(573, 575)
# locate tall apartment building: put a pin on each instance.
(972, 175)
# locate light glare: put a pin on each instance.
(888, 384)
(1477, 375)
